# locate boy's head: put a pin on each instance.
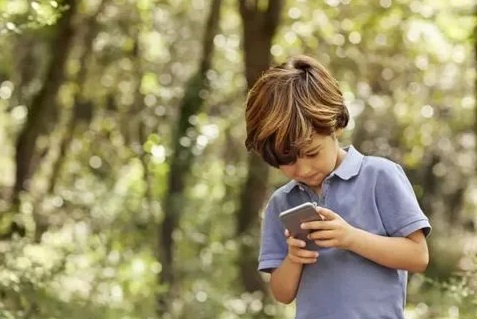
(290, 109)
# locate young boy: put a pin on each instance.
(354, 264)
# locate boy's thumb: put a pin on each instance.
(325, 213)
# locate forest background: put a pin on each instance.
(125, 187)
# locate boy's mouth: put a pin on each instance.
(312, 178)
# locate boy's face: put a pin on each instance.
(322, 156)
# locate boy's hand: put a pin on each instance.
(332, 232)
(296, 253)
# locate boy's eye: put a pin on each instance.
(312, 154)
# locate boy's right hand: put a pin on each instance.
(296, 251)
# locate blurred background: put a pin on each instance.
(125, 187)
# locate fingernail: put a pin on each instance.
(302, 226)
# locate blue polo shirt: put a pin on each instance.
(370, 193)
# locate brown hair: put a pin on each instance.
(287, 105)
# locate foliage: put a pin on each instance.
(20, 15)
(406, 71)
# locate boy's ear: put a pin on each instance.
(339, 132)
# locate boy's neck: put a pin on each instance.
(339, 159)
(317, 190)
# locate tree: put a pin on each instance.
(259, 27)
(40, 115)
(43, 103)
(182, 156)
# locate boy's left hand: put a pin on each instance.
(334, 231)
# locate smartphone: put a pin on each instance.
(293, 217)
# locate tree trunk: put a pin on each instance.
(138, 130)
(475, 81)
(40, 116)
(43, 103)
(259, 27)
(25, 63)
(82, 110)
(182, 158)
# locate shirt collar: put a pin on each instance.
(348, 168)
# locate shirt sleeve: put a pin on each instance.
(397, 203)
(273, 246)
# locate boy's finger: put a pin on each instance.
(322, 234)
(287, 233)
(317, 225)
(303, 253)
(303, 260)
(326, 213)
(326, 243)
(308, 260)
(295, 242)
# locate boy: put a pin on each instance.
(354, 264)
